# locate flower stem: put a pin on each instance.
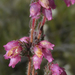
(32, 30)
(41, 28)
(33, 71)
(29, 66)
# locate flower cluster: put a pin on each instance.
(13, 50)
(43, 6)
(54, 69)
(15, 47)
(42, 50)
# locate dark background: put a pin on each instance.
(14, 24)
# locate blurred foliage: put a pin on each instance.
(14, 24)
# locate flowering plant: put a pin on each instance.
(35, 47)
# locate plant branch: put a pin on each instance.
(29, 66)
(33, 71)
(41, 28)
(32, 30)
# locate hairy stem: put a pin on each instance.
(33, 71)
(29, 66)
(32, 30)
(41, 28)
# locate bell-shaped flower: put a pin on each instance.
(35, 10)
(47, 4)
(13, 50)
(47, 13)
(46, 10)
(41, 52)
(63, 73)
(52, 4)
(46, 44)
(14, 61)
(72, 1)
(37, 61)
(47, 54)
(69, 2)
(55, 69)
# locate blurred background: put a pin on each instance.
(14, 24)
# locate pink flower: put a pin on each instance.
(25, 39)
(55, 69)
(35, 10)
(63, 73)
(72, 1)
(47, 4)
(14, 61)
(13, 50)
(47, 54)
(47, 45)
(47, 13)
(46, 10)
(40, 52)
(37, 61)
(52, 4)
(69, 2)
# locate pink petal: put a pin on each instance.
(47, 13)
(14, 61)
(72, 1)
(45, 3)
(56, 69)
(5, 56)
(25, 39)
(68, 2)
(47, 44)
(35, 10)
(63, 73)
(52, 4)
(10, 44)
(47, 54)
(37, 61)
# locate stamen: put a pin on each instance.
(10, 53)
(39, 52)
(20, 42)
